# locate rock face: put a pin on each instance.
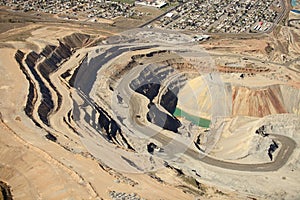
(48, 49)
(37, 67)
(32, 94)
(77, 40)
(55, 55)
(47, 103)
(169, 97)
(158, 85)
(41, 65)
(162, 119)
(51, 62)
(150, 90)
(112, 129)
(257, 102)
(248, 69)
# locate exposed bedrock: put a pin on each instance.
(160, 82)
(54, 55)
(31, 59)
(74, 75)
(245, 70)
(169, 94)
(162, 119)
(32, 93)
(111, 128)
(260, 102)
(50, 63)
(46, 104)
(77, 40)
(48, 49)
(150, 90)
(46, 62)
(169, 101)
(151, 54)
(149, 80)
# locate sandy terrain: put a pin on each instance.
(26, 154)
(86, 119)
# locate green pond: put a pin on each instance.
(194, 119)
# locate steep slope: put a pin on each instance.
(195, 98)
(260, 102)
(291, 97)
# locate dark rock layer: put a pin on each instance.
(162, 119)
(42, 65)
(5, 192)
(149, 83)
(32, 94)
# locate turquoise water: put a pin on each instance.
(294, 2)
(202, 122)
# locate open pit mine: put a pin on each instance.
(147, 114)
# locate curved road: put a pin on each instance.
(287, 144)
(176, 147)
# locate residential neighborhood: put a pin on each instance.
(204, 16)
(75, 9)
(229, 16)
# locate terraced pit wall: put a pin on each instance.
(38, 66)
(160, 83)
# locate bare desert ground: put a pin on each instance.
(89, 111)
